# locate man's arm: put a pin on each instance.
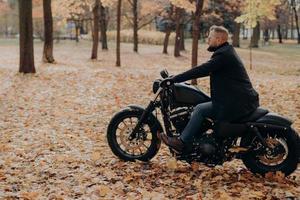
(202, 70)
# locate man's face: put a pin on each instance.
(213, 39)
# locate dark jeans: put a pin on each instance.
(201, 111)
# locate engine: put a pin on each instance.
(180, 117)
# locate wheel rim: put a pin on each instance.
(272, 157)
(139, 145)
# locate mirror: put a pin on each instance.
(164, 73)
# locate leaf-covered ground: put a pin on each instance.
(53, 126)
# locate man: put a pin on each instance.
(232, 94)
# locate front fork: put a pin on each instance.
(144, 116)
(149, 109)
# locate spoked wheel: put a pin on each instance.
(281, 154)
(143, 146)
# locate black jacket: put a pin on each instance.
(232, 93)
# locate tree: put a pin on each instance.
(253, 12)
(118, 62)
(232, 9)
(96, 30)
(134, 4)
(167, 23)
(142, 15)
(196, 31)
(294, 7)
(103, 25)
(26, 37)
(48, 32)
(236, 35)
(75, 11)
(4, 12)
(178, 14)
(255, 36)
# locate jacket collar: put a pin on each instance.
(213, 49)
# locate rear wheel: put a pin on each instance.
(282, 154)
(143, 147)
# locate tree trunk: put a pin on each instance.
(292, 25)
(118, 62)
(182, 46)
(76, 32)
(245, 33)
(6, 26)
(236, 35)
(166, 41)
(273, 34)
(48, 32)
(286, 31)
(87, 26)
(103, 27)
(255, 36)
(177, 36)
(279, 33)
(296, 22)
(26, 37)
(135, 26)
(95, 30)
(266, 36)
(198, 12)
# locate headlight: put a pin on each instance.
(155, 86)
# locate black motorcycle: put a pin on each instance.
(263, 140)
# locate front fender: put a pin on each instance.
(153, 120)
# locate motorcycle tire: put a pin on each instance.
(118, 134)
(258, 164)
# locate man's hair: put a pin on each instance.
(220, 29)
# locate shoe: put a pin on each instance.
(173, 142)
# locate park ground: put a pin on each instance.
(53, 125)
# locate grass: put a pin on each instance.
(275, 58)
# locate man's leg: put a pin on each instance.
(200, 112)
(193, 127)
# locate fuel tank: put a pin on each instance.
(188, 95)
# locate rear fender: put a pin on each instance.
(275, 119)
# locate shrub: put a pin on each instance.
(145, 37)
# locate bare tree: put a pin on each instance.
(134, 4)
(178, 14)
(255, 36)
(169, 21)
(196, 31)
(103, 26)
(293, 2)
(48, 32)
(26, 37)
(138, 21)
(96, 30)
(118, 62)
(236, 35)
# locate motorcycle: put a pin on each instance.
(263, 140)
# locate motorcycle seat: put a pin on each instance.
(258, 113)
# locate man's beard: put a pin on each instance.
(212, 49)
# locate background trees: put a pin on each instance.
(253, 12)
(104, 21)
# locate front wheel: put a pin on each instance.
(143, 147)
(282, 154)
